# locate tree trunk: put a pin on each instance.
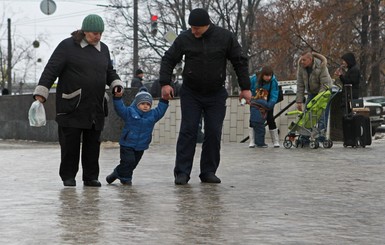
(375, 36)
(364, 55)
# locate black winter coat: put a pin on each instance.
(352, 75)
(205, 60)
(83, 75)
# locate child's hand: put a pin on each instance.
(118, 91)
(338, 72)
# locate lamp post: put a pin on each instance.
(9, 66)
(136, 45)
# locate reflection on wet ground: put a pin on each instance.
(267, 196)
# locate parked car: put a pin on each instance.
(377, 99)
(376, 114)
(381, 100)
(289, 89)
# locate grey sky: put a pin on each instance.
(29, 22)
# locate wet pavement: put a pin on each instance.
(267, 196)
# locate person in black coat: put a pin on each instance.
(137, 81)
(206, 49)
(4, 91)
(349, 73)
(83, 67)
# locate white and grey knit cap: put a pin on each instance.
(143, 96)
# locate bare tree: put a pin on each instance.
(330, 27)
(173, 17)
(22, 62)
(151, 47)
(374, 80)
(238, 17)
(274, 33)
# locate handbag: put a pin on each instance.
(266, 94)
(280, 94)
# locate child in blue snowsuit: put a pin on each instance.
(264, 97)
(139, 121)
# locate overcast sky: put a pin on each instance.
(28, 21)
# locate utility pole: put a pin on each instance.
(9, 66)
(136, 46)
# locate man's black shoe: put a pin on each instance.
(181, 179)
(69, 182)
(210, 178)
(111, 178)
(94, 183)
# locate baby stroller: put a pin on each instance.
(305, 130)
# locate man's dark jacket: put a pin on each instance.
(205, 60)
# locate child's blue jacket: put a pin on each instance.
(272, 86)
(138, 125)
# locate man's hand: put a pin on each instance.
(167, 92)
(245, 94)
(299, 106)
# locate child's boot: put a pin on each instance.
(111, 178)
(251, 138)
(275, 137)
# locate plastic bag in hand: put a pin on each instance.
(36, 114)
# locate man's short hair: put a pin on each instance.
(139, 71)
(307, 52)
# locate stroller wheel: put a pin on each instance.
(327, 144)
(314, 144)
(287, 144)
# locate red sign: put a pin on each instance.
(154, 17)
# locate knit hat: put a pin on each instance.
(139, 71)
(143, 96)
(199, 17)
(93, 23)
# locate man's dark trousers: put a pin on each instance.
(213, 107)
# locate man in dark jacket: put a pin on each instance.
(136, 82)
(83, 65)
(206, 49)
